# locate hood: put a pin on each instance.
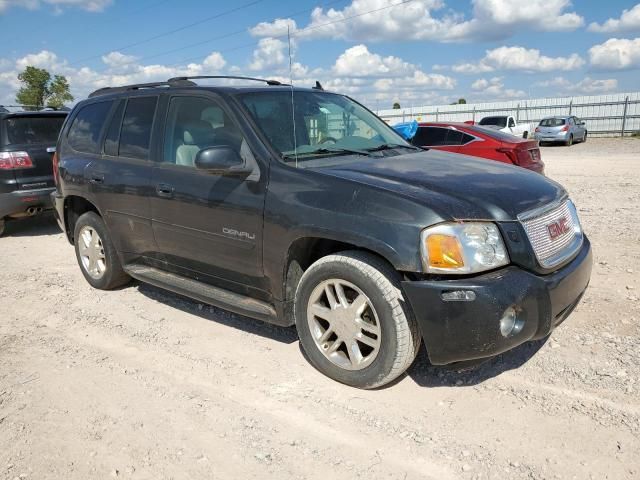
(456, 187)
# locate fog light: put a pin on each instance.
(509, 322)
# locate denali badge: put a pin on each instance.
(232, 232)
(558, 228)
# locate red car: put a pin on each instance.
(480, 142)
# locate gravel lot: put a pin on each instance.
(138, 383)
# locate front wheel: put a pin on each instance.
(584, 139)
(96, 254)
(3, 224)
(353, 322)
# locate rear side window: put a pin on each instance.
(30, 129)
(430, 136)
(84, 134)
(135, 135)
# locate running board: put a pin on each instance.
(205, 293)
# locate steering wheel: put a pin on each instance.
(328, 139)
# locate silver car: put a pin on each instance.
(561, 129)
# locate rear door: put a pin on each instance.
(37, 136)
(120, 178)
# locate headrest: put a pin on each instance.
(197, 132)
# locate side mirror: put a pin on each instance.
(222, 160)
(582, 124)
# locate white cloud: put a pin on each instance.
(358, 61)
(381, 20)
(591, 86)
(270, 54)
(587, 85)
(616, 54)
(88, 5)
(494, 88)
(519, 59)
(629, 21)
(119, 69)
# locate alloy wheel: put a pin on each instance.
(92, 252)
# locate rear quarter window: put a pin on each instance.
(29, 130)
(84, 134)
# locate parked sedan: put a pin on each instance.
(561, 129)
(479, 141)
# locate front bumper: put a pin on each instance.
(19, 201)
(455, 331)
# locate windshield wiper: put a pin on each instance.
(390, 146)
(288, 156)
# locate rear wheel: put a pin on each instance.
(569, 142)
(525, 135)
(584, 139)
(96, 255)
(3, 224)
(353, 322)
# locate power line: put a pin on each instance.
(171, 32)
(226, 35)
(297, 33)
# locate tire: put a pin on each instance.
(569, 142)
(3, 225)
(102, 269)
(386, 312)
(525, 135)
(584, 139)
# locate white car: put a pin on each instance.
(507, 124)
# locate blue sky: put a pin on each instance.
(416, 52)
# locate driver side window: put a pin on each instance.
(196, 123)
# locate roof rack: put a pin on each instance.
(268, 82)
(139, 86)
(175, 82)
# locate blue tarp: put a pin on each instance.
(406, 129)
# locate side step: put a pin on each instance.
(205, 293)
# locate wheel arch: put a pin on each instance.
(74, 206)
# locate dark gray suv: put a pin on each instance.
(301, 207)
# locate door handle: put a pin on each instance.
(164, 190)
(96, 179)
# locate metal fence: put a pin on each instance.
(605, 115)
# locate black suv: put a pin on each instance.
(27, 145)
(299, 206)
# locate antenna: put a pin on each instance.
(293, 108)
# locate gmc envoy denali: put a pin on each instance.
(300, 206)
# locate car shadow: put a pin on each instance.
(463, 375)
(285, 335)
(38, 226)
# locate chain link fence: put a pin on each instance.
(605, 115)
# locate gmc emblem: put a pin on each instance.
(558, 228)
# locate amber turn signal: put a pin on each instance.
(444, 251)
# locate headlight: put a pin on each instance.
(467, 247)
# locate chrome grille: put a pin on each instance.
(552, 247)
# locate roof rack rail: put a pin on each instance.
(268, 82)
(138, 86)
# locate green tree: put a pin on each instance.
(461, 101)
(396, 106)
(38, 90)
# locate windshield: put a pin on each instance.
(32, 129)
(552, 122)
(498, 121)
(325, 124)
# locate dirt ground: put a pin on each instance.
(142, 384)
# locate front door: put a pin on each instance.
(205, 223)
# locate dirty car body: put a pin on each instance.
(252, 234)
